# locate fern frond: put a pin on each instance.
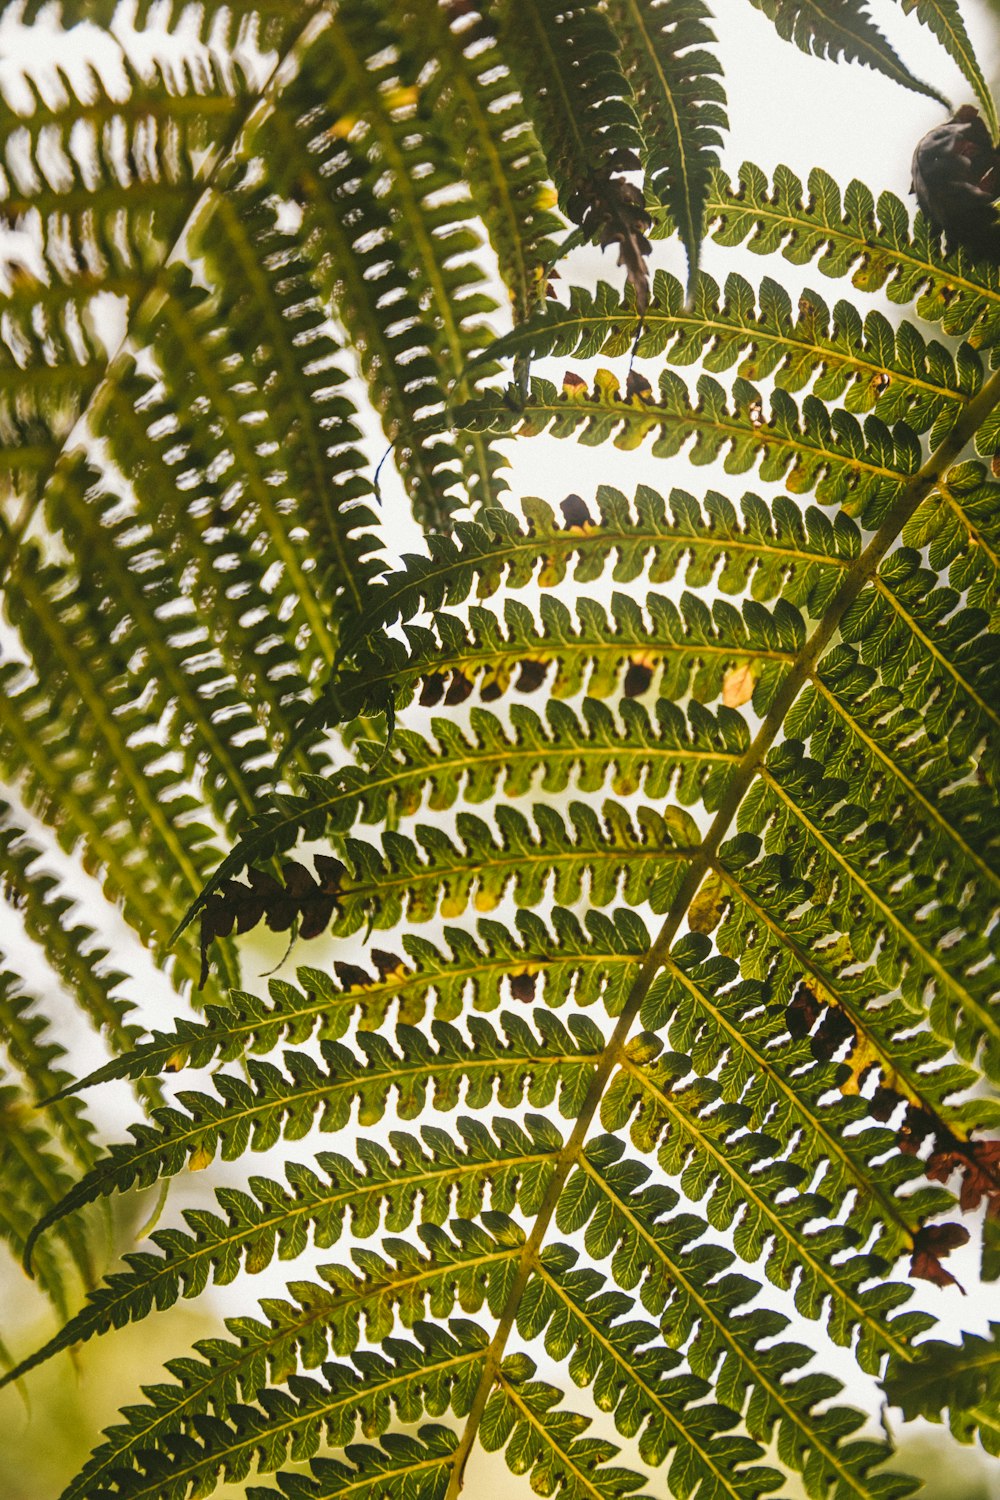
(697, 1008)
(852, 235)
(105, 220)
(470, 91)
(944, 19)
(636, 1377)
(871, 365)
(96, 773)
(403, 1468)
(859, 468)
(203, 569)
(567, 60)
(794, 794)
(417, 1379)
(962, 1379)
(557, 965)
(51, 919)
(348, 235)
(838, 29)
(37, 1060)
(763, 549)
(126, 579)
(706, 1145)
(552, 1066)
(790, 762)
(36, 1175)
(267, 303)
(595, 652)
(429, 1179)
(431, 873)
(701, 1303)
(925, 643)
(680, 104)
(412, 1380)
(542, 1438)
(761, 907)
(431, 209)
(567, 749)
(271, 19)
(960, 527)
(566, 57)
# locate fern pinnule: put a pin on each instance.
(549, 1065)
(850, 234)
(421, 1463)
(871, 365)
(685, 647)
(430, 1179)
(858, 467)
(841, 29)
(469, 89)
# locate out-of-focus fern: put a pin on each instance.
(650, 834)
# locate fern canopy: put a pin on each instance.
(638, 846)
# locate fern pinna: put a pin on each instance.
(639, 846)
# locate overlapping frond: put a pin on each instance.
(841, 29)
(271, 19)
(945, 20)
(470, 94)
(961, 1379)
(102, 186)
(700, 1304)
(680, 103)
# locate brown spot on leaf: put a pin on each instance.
(637, 679)
(458, 689)
(522, 987)
(575, 512)
(834, 1029)
(531, 675)
(639, 388)
(432, 689)
(351, 976)
(387, 963)
(802, 1012)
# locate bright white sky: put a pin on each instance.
(784, 107)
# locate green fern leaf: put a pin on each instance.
(522, 1418)
(680, 104)
(858, 468)
(840, 28)
(852, 235)
(944, 19)
(470, 92)
(709, 784)
(553, 1066)
(962, 1379)
(404, 1468)
(871, 366)
(514, 1164)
